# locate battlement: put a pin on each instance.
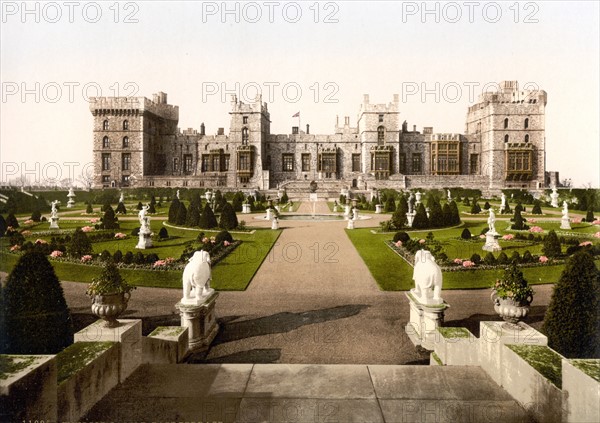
(393, 107)
(258, 106)
(116, 105)
(509, 93)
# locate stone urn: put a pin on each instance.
(510, 310)
(110, 306)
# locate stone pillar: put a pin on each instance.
(355, 213)
(409, 219)
(350, 224)
(491, 242)
(145, 240)
(269, 214)
(245, 208)
(378, 208)
(54, 223)
(424, 321)
(565, 223)
(201, 323)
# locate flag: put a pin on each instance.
(297, 115)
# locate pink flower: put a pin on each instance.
(398, 243)
(205, 240)
(159, 263)
(585, 243)
(87, 229)
(482, 236)
(41, 241)
(508, 237)
(468, 263)
(532, 220)
(25, 233)
(535, 229)
(226, 243)
(56, 253)
(596, 222)
(86, 258)
(458, 261)
(421, 241)
(576, 220)
(94, 220)
(597, 235)
(15, 248)
(120, 235)
(543, 259)
(28, 222)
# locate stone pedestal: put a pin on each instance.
(269, 214)
(70, 203)
(409, 219)
(245, 208)
(355, 213)
(166, 345)
(565, 223)
(201, 323)
(378, 208)
(275, 224)
(128, 333)
(424, 321)
(145, 240)
(554, 200)
(278, 209)
(491, 242)
(54, 223)
(347, 210)
(350, 224)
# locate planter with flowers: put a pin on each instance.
(512, 296)
(110, 294)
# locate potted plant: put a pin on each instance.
(512, 296)
(110, 294)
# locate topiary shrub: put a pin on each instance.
(466, 202)
(36, 319)
(208, 219)
(121, 208)
(193, 215)
(466, 234)
(475, 208)
(515, 257)
(128, 257)
(487, 206)
(537, 208)
(421, 221)
(181, 215)
(399, 216)
(89, 209)
(105, 255)
(284, 198)
(401, 236)
(527, 257)
(80, 244)
(109, 221)
(3, 226)
(36, 216)
(390, 205)
(223, 236)
(151, 258)
(589, 217)
(139, 258)
(551, 247)
(117, 256)
(228, 218)
(12, 221)
(163, 233)
(173, 209)
(476, 258)
(139, 206)
(518, 221)
(489, 259)
(572, 321)
(502, 258)
(135, 231)
(151, 208)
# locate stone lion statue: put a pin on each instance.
(428, 279)
(196, 279)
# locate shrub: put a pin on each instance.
(117, 256)
(455, 213)
(589, 217)
(193, 215)
(151, 258)
(121, 208)
(109, 221)
(228, 218)
(390, 205)
(3, 226)
(89, 209)
(519, 222)
(208, 219)
(487, 206)
(223, 236)
(80, 244)
(475, 208)
(515, 257)
(476, 258)
(236, 203)
(151, 208)
(527, 257)
(284, 198)
(421, 221)
(139, 206)
(572, 322)
(135, 231)
(551, 246)
(436, 216)
(537, 209)
(489, 259)
(139, 258)
(399, 216)
(513, 285)
(173, 210)
(128, 257)
(109, 282)
(181, 214)
(163, 233)
(105, 255)
(11, 220)
(466, 234)
(502, 258)
(36, 216)
(401, 236)
(466, 202)
(36, 319)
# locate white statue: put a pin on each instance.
(449, 195)
(142, 215)
(554, 197)
(428, 279)
(196, 279)
(121, 198)
(411, 203)
(503, 204)
(565, 210)
(54, 211)
(178, 195)
(491, 221)
(418, 196)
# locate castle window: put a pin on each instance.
(105, 179)
(356, 163)
(402, 163)
(244, 136)
(105, 142)
(187, 163)
(416, 163)
(305, 162)
(474, 164)
(287, 161)
(126, 161)
(268, 162)
(526, 137)
(478, 128)
(125, 125)
(245, 120)
(225, 163)
(175, 164)
(526, 123)
(125, 142)
(205, 163)
(380, 118)
(506, 123)
(506, 138)
(105, 125)
(106, 161)
(380, 135)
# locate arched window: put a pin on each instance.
(244, 136)
(380, 135)
(526, 137)
(526, 123)
(105, 142)
(506, 123)
(125, 142)
(125, 125)
(105, 125)
(506, 138)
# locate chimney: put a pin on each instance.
(294, 129)
(346, 120)
(202, 129)
(221, 131)
(396, 98)
(155, 98)
(307, 129)
(337, 121)
(414, 128)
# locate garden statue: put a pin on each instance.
(121, 198)
(411, 202)
(70, 195)
(418, 196)
(177, 195)
(565, 222)
(428, 279)
(491, 243)
(565, 210)
(145, 240)
(142, 216)
(54, 215)
(449, 195)
(503, 204)
(554, 198)
(196, 279)
(491, 221)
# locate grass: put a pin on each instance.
(78, 355)
(543, 359)
(590, 367)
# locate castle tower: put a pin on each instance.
(507, 133)
(131, 137)
(378, 129)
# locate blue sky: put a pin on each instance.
(379, 48)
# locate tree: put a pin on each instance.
(238, 200)
(173, 209)
(193, 215)
(551, 246)
(537, 208)
(399, 216)
(139, 205)
(208, 219)
(421, 221)
(436, 216)
(181, 214)
(36, 216)
(390, 205)
(89, 209)
(518, 221)
(572, 322)
(36, 318)
(589, 217)
(121, 208)
(109, 221)
(80, 244)
(228, 219)
(466, 234)
(455, 213)
(11, 221)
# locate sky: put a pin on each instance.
(316, 58)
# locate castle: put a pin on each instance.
(137, 143)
